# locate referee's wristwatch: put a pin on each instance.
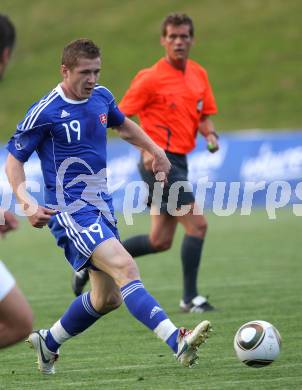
(213, 133)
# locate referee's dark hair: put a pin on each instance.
(176, 19)
(7, 33)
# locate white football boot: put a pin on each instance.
(46, 358)
(189, 341)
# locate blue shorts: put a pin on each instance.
(80, 233)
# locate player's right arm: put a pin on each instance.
(30, 133)
(134, 134)
(38, 216)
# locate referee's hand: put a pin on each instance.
(212, 141)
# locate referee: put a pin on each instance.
(173, 100)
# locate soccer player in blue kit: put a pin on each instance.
(67, 128)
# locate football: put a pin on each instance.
(257, 343)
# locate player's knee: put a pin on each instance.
(161, 244)
(104, 305)
(129, 269)
(26, 329)
(27, 324)
(198, 229)
(113, 302)
(125, 270)
(202, 228)
(22, 328)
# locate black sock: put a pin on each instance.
(138, 246)
(190, 256)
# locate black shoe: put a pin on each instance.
(198, 304)
(79, 279)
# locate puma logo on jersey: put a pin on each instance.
(64, 114)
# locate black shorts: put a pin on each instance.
(180, 194)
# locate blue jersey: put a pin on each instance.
(70, 139)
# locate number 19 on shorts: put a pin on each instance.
(94, 228)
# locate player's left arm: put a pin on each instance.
(207, 129)
(135, 135)
(8, 222)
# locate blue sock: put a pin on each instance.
(78, 317)
(147, 310)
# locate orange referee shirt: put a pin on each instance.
(170, 103)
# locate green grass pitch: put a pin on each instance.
(251, 270)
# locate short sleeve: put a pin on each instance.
(138, 94)
(115, 116)
(29, 134)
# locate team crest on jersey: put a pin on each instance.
(199, 105)
(103, 119)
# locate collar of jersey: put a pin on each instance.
(66, 99)
(170, 68)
